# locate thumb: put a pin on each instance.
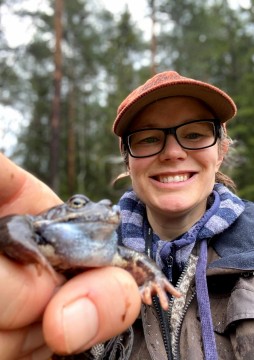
(91, 308)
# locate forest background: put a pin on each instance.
(81, 62)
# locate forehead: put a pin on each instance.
(170, 112)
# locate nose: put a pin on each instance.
(172, 149)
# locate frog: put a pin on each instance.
(76, 235)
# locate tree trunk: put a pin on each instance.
(153, 39)
(71, 144)
(56, 105)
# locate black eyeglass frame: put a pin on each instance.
(172, 131)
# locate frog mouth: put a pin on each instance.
(112, 219)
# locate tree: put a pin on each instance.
(99, 66)
(106, 57)
(11, 86)
(56, 105)
(212, 42)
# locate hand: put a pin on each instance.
(38, 317)
(24, 296)
(90, 308)
(21, 192)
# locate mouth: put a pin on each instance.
(166, 179)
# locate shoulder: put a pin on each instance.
(235, 246)
(248, 213)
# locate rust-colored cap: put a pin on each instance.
(170, 83)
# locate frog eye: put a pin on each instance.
(78, 201)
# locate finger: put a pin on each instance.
(43, 353)
(91, 308)
(170, 288)
(25, 343)
(21, 192)
(24, 294)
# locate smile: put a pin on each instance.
(171, 178)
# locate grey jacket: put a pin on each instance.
(230, 278)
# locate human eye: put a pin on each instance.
(149, 140)
(196, 131)
(146, 137)
(193, 135)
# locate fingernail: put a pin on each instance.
(80, 321)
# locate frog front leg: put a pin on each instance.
(18, 242)
(148, 276)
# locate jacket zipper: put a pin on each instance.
(164, 326)
(165, 318)
(176, 348)
(175, 352)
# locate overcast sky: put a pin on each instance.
(18, 32)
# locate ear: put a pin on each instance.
(223, 150)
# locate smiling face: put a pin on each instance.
(175, 183)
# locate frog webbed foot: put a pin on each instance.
(150, 279)
(159, 286)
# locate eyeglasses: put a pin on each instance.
(193, 135)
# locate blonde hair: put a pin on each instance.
(225, 142)
(221, 178)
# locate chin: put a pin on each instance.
(179, 205)
(173, 206)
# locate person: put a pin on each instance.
(184, 212)
(38, 318)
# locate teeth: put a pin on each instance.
(170, 179)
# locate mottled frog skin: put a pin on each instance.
(75, 235)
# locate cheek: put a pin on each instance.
(137, 171)
(136, 166)
(212, 159)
